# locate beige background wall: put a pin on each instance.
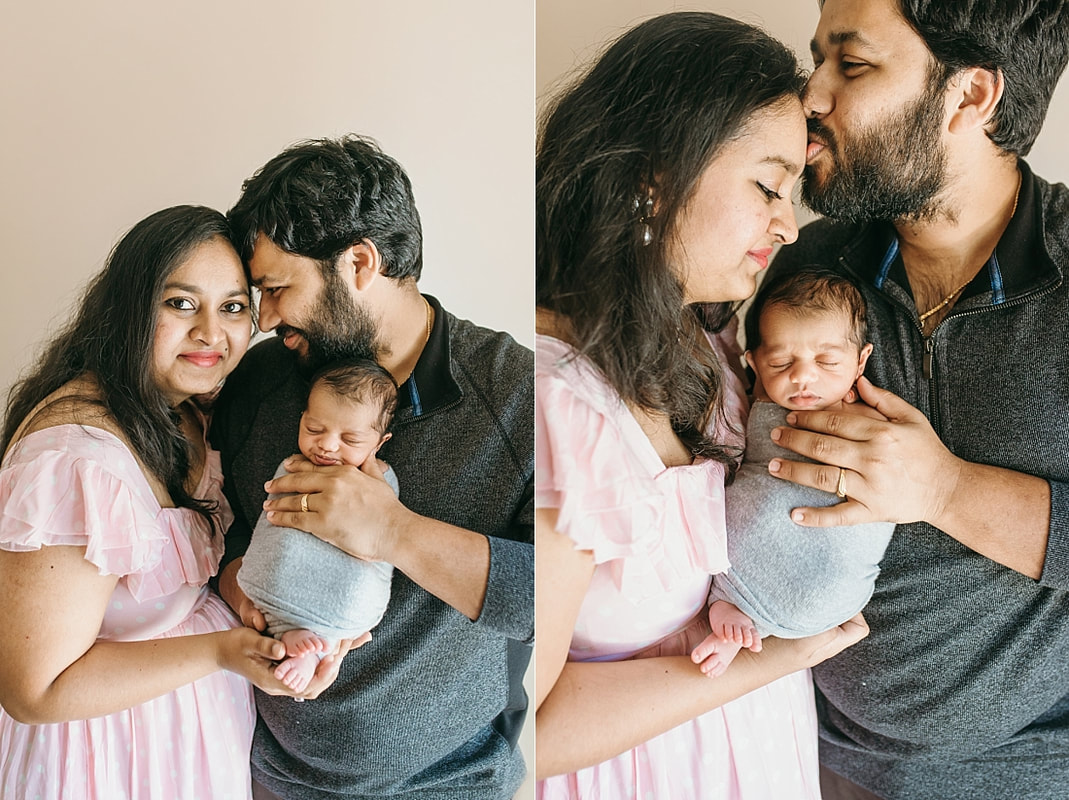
(113, 110)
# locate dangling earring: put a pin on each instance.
(645, 231)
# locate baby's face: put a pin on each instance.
(336, 430)
(806, 360)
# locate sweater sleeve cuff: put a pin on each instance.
(509, 604)
(1056, 567)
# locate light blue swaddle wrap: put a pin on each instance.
(301, 582)
(791, 581)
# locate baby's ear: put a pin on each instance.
(385, 438)
(863, 359)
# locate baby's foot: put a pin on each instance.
(297, 672)
(731, 625)
(301, 642)
(713, 655)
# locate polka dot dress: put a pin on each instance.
(70, 485)
(657, 535)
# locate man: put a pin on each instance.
(431, 707)
(919, 115)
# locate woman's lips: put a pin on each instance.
(203, 359)
(761, 256)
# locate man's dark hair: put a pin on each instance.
(111, 339)
(1028, 40)
(322, 196)
(808, 290)
(360, 380)
(648, 118)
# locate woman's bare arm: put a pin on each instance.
(589, 712)
(54, 669)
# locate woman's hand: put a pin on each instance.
(812, 650)
(245, 652)
(815, 649)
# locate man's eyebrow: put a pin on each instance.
(838, 38)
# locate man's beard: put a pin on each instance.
(892, 170)
(336, 329)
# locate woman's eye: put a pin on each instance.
(770, 194)
(235, 308)
(180, 303)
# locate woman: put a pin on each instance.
(111, 523)
(664, 181)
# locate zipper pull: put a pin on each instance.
(929, 346)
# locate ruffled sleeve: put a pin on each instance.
(70, 485)
(606, 499)
(613, 495)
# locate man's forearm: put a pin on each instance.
(451, 563)
(1001, 514)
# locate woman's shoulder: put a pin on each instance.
(562, 372)
(75, 404)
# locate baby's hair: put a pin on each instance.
(808, 290)
(360, 380)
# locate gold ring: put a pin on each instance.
(304, 500)
(840, 490)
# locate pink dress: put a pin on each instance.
(657, 535)
(70, 485)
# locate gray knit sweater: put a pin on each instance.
(432, 706)
(962, 688)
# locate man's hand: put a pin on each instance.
(352, 508)
(895, 469)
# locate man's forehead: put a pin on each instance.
(269, 262)
(874, 25)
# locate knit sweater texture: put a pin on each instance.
(432, 706)
(962, 688)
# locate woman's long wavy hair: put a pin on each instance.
(649, 116)
(111, 339)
